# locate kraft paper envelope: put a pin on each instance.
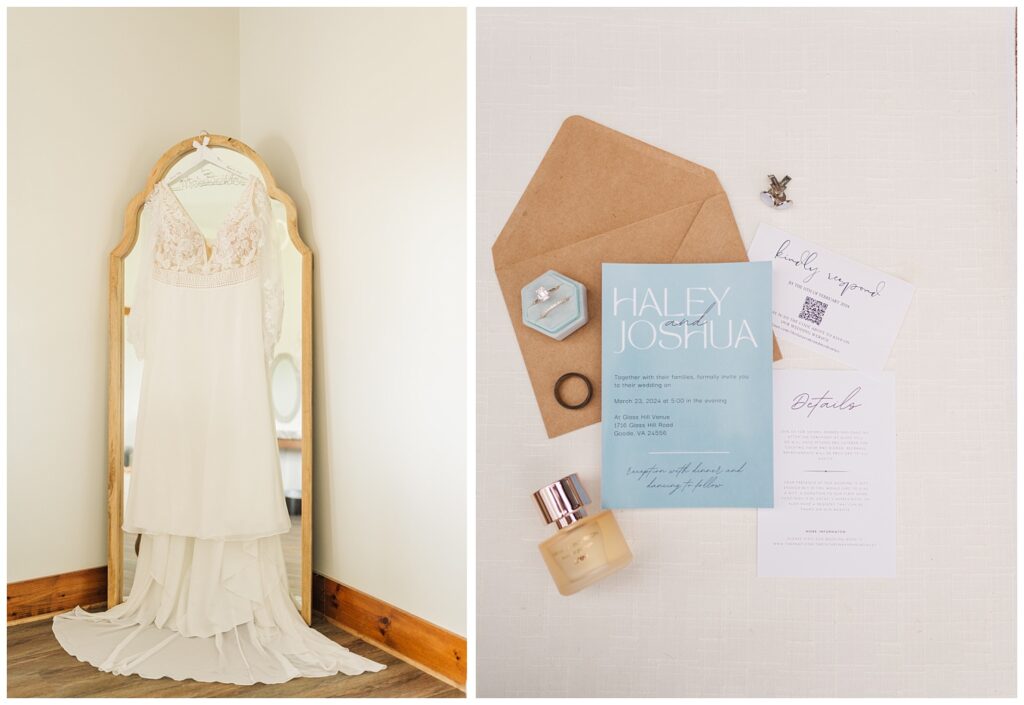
(602, 196)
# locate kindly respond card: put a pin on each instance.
(686, 385)
(832, 304)
(835, 462)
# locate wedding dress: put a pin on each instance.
(210, 597)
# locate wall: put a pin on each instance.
(94, 97)
(898, 128)
(361, 115)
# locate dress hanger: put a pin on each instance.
(199, 173)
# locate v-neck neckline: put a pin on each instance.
(225, 221)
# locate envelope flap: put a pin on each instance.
(600, 196)
(592, 180)
(653, 239)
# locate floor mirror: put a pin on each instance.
(206, 190)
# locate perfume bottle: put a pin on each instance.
(586, 548)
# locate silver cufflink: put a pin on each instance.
(775, 196)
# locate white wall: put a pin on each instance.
(94, 97)
(361, 115)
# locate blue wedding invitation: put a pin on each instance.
(686, 385)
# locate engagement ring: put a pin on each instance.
(543, 294)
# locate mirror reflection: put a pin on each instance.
(207, 193)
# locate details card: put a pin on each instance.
(686, 385)
(836, 306)
(835, 502)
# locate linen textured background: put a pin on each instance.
(898, 130)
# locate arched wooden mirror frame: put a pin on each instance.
(115, 419)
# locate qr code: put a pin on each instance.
(813, 310)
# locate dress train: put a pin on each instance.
(210, 611)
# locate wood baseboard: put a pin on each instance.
(39, 598)
(426, 646)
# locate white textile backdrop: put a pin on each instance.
(897, 127)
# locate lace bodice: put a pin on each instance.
(244, 247)
(181, 247)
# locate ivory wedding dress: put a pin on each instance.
(210, 597)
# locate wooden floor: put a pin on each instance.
(38, 667)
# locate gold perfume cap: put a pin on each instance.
(564, 502)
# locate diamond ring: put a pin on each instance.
(543, 294)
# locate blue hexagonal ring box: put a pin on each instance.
(555, 305)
